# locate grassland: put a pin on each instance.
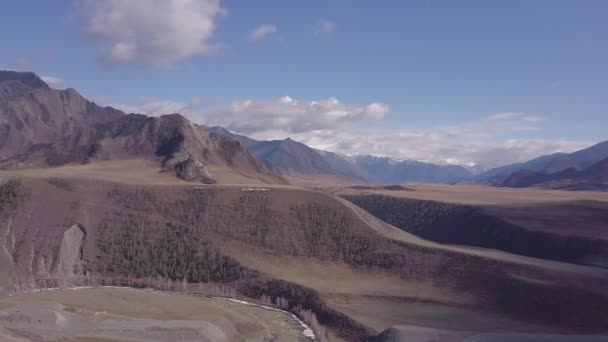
(331, 256)
(110, 314)
(480, 195)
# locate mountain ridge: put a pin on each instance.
(593, 178)
(41, 127)
(550, 168)
(288, 157)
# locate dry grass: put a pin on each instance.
(236, 320)
(320, 181)
(397, 234)
(135, 171)
(338, 278)
(299, 233)
(482, 195)
(383, 313)
(130, 303)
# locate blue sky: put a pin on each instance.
(428, 80)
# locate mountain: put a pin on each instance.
(31, 113)
(593, 178)
(289, 157)
(222, 131)
(498, 175)
(40, 126)
(387, 171)
(476, 169)
(548, 164)
(342, 164)
(548, 168)
(579, 160)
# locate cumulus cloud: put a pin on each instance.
(332, 125)
(53, 82)
(293, 116)
(335, 126)
(438, 147)
(151, 32)
(324, 26)
(262, 32)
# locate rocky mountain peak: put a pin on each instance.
(29, 79)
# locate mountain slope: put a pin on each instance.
(42, 127)
(283, 156)
(343, 164)
(291, 157)
(31, 113)
(579, 160)
(387, 171)
(498, 175)
(311, 249)
(544, 165)
(593, 178)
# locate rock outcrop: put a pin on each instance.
(193, 170)
(69, 264)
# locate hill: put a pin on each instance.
(301, 249)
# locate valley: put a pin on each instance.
(158, 228)
(357, 274)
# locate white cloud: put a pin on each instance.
(197, 101)
(155, 107)
(499, 123)
(262, 32)
(434, 146)
(293, 116)
(505, 116)
(33, 61)
(324, 26)
(52, 82)
(332, 125)
(151, 32)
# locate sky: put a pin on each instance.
(466, 82)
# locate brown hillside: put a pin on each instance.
(32, 114)
(285, 243)
(42, 127)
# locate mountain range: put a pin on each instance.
(40, 126)
(89, 201)
(292, 158)
(592, 178)
(581, 170)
